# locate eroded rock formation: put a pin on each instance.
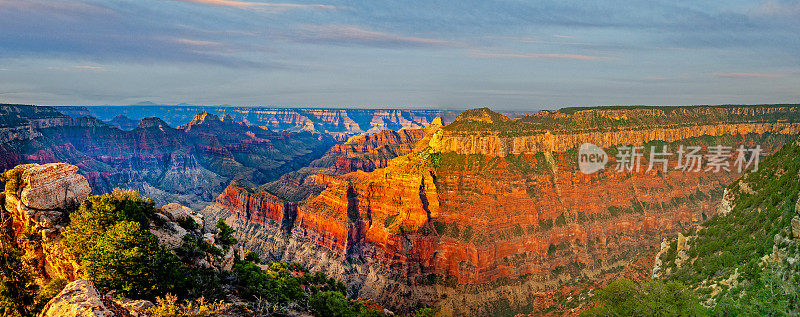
(37, 199)
(35, 209)
(190, 164)
(491, 215)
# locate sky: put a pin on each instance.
(456, 54)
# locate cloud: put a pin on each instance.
(746, 75)
(776, 8)
(198, 43)
(353, 35)
(272, 7)
(86, 68)
(539, 56)
(128, 33)
(65, 7)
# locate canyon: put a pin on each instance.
(339, 123)
(190, 164)
(480, 214)
(489, 215)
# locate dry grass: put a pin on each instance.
(170, 307)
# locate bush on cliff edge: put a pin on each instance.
(108, 237)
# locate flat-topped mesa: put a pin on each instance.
(577, 120)
(20, 122)
(565, 129)
(485, 115)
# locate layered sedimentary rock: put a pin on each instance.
(359, 153)
(369, 152)
(190, 165)
(490, 215)
(37, 199)
(338, 123)
(52, 186)
(20, 122)
(261, 207)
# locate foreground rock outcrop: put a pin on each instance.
(81, 299)
(35, 208)
(173, 222)
(38, 197)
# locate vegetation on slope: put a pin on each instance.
(109, 237)
(743, 262)
(662, 298)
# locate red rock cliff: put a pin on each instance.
(469, 221)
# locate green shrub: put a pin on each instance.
(276, 285)
(330, 304)
(188, 223)
(225, 234)
(99, 213)
(652, 298)
(128, 259)
(252, 257)
(17, 287)
(108, 236)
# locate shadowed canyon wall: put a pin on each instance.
(339, 123)
(191, 164)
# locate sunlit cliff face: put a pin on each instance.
(491, 210)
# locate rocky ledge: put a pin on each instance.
(81, 299)
(35, 209)
(37, 198)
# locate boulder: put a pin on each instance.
(198, 219)
(79, 298)
(53, 186)
(176, 211)
(136, 308)
(37, 197)
(170, 235)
